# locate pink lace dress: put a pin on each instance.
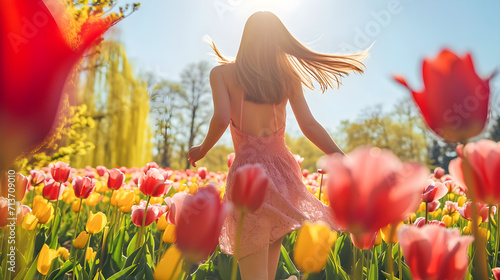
(287, 202)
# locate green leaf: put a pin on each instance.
(59, 273)
(117, 248)
(53, 234)
(132, 244)
(339, 244)
(288, 262)
(32, 270)
(224, 263)
(124, 272)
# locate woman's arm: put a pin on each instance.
(309, 126)
(220, 118)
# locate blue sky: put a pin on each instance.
(164, 36)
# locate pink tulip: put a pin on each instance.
(451, 207)
(175, 204)
(433, 252)
(138, 214)
(115, 179)
(52, 190)
(250, 187)
(21, 211)
(299, 159)
(455, 100)
(433, 191)
(420, 222)
(481, 161)
(438, 173)
(433, 206)
(466, 211)
(4, 212)
(496, 273)
(199, 224)
(60, 171)
(153, 183)
(365, 242)
(230, 159)
(36, 177)
(372, 188)
(83, 187)
(101, 170)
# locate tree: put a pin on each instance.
(119, 104)
(197, 102)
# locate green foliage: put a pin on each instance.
(306, 149)
(119, 105)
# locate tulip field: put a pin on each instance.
(156, 223)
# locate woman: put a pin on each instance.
(251, 94)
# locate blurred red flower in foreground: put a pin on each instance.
(455, 100)
(481, 162)
(433, 252)
(372, 188)
(35, 60)
(251, 185)
(199, 223)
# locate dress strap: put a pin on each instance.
(241, 110)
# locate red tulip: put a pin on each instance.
(433, 252)
(52, 190)
(365, 241)
(34, 49)
(433, 205)
(60, 171)
(250, 187)
(372, 188)
(36, 177)
(455, 100)
(115, 179)
(138, 214)
(202, 172)
(199, 223)
(438, 173)
(230, 159)
(4, 212)
(496, 273)
(466, 211)
(433, 191)
(481, 162)
(153, 183)
(83, 187)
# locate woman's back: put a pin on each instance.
(252, 118)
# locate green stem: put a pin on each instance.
(237, 244)
(141, 230)
(77, 219)
(390, 266)
(320, 187)
(400, 266)
(85, 252)
(426, 212)
(306, 275)
(55, 212)
(495, 258)
(109, 207)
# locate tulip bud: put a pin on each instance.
(447, 220)
(60, 171)
(96, 222)
(313, 245)
(30, 221)
(250, 187)
(169, 234)
(162, 223)
(81, 240)
(389, 234)
(115, 179)
(63, 253)
(90, 254)
(45, 258)
(170, 265)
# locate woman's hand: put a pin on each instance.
(195, 154)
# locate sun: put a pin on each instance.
(282, 8)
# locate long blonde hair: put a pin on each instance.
(270, 61)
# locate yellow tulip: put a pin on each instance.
(45, 258)
(166, 268)
(63, 253)
(461, 201)
(81, 240)
(162, 222)
(96, 222)
(182, 188)
(194, 180)
(456, 216)
(378, 239)
(76, 206)
(413, 217)
(30, 221)
(101, 187)
(169, 234)
(156, 200)
(452, 196)
(466, 230)
(68, 196)
(90, 254)
(447, 220)
(313, 245)
(421, 207)
(43, 210)
(485, 234)
(125, 197)
(193, 188)
(386, 233)
(93, 199)
(105, 199)
(127, 208)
